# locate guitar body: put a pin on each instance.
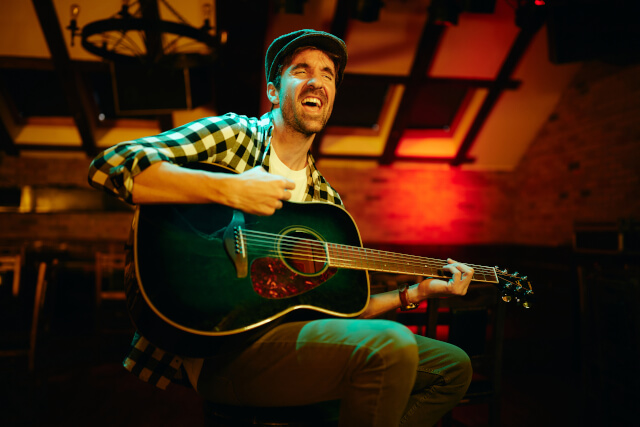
(195, 288)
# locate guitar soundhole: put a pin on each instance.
(300, 267)
(303, 253)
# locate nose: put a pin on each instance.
(315, 81)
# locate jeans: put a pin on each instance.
(381, 372)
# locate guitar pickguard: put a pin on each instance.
(273, 279)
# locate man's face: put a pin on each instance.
(307, 91)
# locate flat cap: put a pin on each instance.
(287, 43)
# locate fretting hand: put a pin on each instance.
(456, 285)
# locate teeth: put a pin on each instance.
(311, 100)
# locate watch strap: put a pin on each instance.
(405, 305)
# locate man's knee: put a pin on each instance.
(395, 344)
(461, 370)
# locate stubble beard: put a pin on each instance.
(302, 122)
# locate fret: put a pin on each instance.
(361, 257)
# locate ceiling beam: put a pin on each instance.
(81, 104)
(155, 51)
(518, 48)
(51, 147)
(425, 53)
(152, 37)
(46, 64)
(340, 20)
(239, 68)
(412, 159)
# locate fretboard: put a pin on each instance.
(356, 258)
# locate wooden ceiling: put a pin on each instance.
(471, 95)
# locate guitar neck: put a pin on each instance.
(357, 258)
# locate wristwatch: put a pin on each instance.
(405, 305)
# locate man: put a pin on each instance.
(382, 373)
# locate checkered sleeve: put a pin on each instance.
(208, 140)
(151, 364)
(319, 188)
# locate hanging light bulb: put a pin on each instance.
(75, 11)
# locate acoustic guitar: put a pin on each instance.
(205, 275)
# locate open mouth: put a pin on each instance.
(312, 102)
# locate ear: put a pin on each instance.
(272, 94)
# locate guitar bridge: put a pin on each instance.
(234, 243)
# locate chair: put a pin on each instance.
(112, 324)
(11, 264)
(474, 323)
(21, 337)
(109, 270)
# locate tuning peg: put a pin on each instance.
(507, 292)
(524, 277)
(515, 274)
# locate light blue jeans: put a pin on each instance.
(381, 372)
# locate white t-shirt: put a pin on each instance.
(276, 167)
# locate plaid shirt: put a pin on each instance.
(238, 142)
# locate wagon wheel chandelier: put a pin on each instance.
(137, 35)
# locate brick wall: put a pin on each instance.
(78, 227)
(585, 163)
(583, 166)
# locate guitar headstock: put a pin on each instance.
(515, 287)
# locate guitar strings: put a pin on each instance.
(386, 266)
(481, 273)
(344, 255)
(317, 245)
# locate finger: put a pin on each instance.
(289, 185)
(464, 268)
(286, 195)
(452, 266)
